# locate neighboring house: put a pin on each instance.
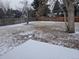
(9, 13)
(2, 13)
(17, 13)
(13, 13)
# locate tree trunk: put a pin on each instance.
(41, 9)
(27, 17)
(71, 25)
(65, 20)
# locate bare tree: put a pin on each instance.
(25, 10)
(2, 5)
(70, 14)
(7, 5)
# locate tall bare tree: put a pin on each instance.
(69, 4)
(25, 10)
(70, 14)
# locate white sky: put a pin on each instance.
(15, 3)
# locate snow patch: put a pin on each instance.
(38, 50)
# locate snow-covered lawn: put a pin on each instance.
(44, 31)
(38, 50)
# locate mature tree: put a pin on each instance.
(69, 4)
(40, 7)
(69, 11)
(35, 4)
(57, 8)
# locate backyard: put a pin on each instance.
(39, 29)
(44, 31)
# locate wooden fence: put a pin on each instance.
(9, 21)
(43, 18)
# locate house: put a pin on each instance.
(13, 13)
(2, 13)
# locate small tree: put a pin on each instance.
(25, 10)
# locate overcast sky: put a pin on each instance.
(15, 3)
